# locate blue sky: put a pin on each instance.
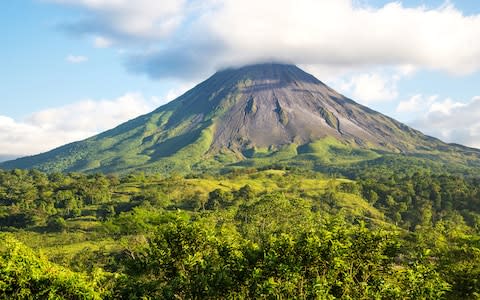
(73, 68)
(35, 73)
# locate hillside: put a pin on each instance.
(256, 115)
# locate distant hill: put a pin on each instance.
(256, 115)
(7, 157)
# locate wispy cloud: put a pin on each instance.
(76, 59)
(370, 87)
(102, 42)
(416, 103)
(449, 120)
(121, 19)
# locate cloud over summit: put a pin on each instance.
(194, 37)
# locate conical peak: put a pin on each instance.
(276, 72)
(234, 112)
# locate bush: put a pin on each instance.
(56, 224)
(24, 275)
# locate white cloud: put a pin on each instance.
(337, 32)
(102, 42)
(445, 107)
(76, 59)
(371, 87)
(203, 35)
(368, 85)
(50, 128)
(452, 121)
(416, 103)
(146, 19)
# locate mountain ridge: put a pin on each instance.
(237, 114)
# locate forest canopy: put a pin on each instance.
(244, 234)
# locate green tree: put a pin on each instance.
(24, 275)
(218, 199)
(57, 224)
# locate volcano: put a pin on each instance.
(257, 114)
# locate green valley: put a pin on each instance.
(272, 233)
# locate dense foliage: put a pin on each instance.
(245, 234)
(24, 275)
